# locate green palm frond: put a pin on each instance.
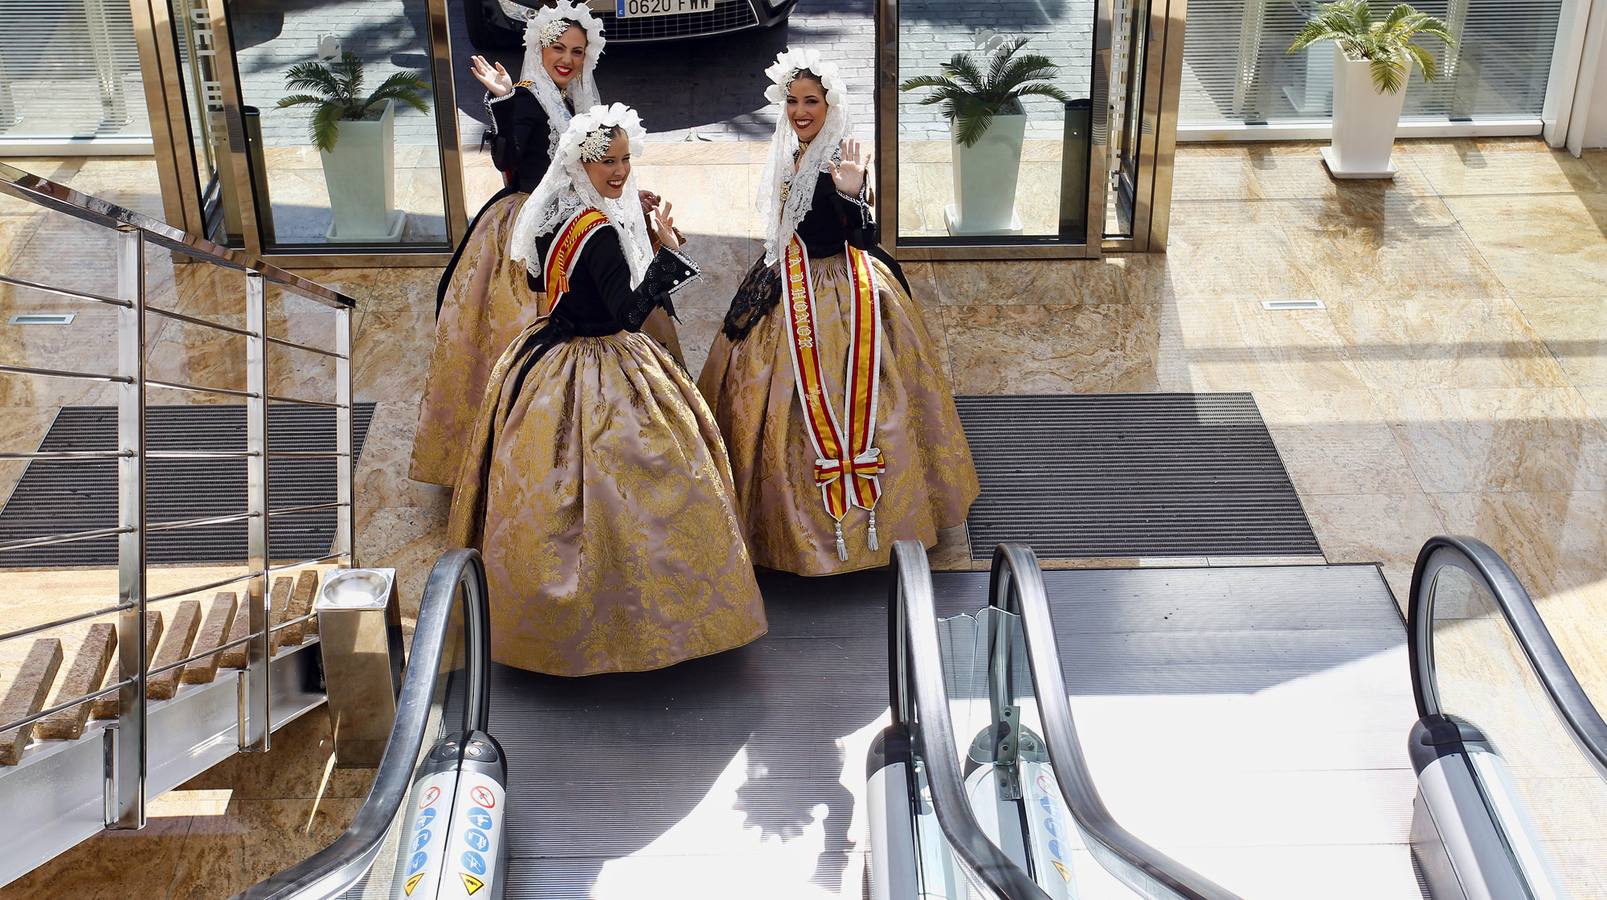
(404, 87)
(326, 125)
(1386, 44)
(970, 100)
(335, 88)
(963, 70)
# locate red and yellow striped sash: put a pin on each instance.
(565, 252)
(847, 462)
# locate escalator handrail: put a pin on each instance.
(916, 664)
(1573, 706)
(342, 863)
(1016, 586)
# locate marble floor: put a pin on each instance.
(1455, 380)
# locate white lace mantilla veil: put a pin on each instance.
(566, 189)
(782, 210)
(542, 28)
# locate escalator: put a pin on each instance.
(431, 826)
(1508, 750)
(978, 788)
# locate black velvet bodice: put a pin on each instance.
(600, 299)
(834, 220)
(523, 138)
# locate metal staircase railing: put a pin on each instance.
(125, 773)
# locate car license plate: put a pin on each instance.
(640, 9)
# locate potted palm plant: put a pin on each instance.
(989, 125)
(355, 136)
(1372, 61)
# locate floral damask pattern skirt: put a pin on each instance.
(930, 480)
(597, 488)
(486, 303)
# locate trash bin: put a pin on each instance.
(1074, 171)
(360, 640)
(257, 155)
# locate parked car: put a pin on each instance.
(499, 24)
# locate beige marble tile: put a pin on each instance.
(381, 478)
(1276, 171)
(390, 348)
(1595, 400)
(409, 539)
(112, 865)
(1508, 439)
(1443, 342)
(1233, 249)
(1396, 247)
(1553, 540)
(1387, 529)
(299, 767)
(1134, 278)
(1546, 245)
(1053, 349)
(1344, 458)
(1240, 345)
(223, 855)
(1575, 331)
(1464, 169)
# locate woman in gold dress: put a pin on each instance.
(841, 426)
(482, 302)
(596, 484)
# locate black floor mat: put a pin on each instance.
(61, 496)
(1123, 475)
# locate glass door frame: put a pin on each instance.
(185, 201)
(1159, 89)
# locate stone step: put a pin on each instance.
(219, 622)
(87, 673)
(27, 696)
(106, 707)
(175, 647)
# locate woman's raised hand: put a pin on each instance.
(496, 79)
(848, 173)
(664, 227)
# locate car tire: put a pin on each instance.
(489, 28)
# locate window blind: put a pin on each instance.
(1236, 68)
(69, 69)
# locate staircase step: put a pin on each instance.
(27, 696)
(301, 598)
(279, 610)
(219, 621)
(87, 673)
(106, 707)
(180, 638)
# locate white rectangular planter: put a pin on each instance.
(985, 176)
(361, 175)
(1364, 122)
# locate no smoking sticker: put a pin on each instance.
(482, 796)
(430, 796)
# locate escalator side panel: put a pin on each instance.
(891, 805)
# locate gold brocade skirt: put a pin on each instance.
(486, 304)
(930, 480)
(597, 488)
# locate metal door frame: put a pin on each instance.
(183, 198)
(1161, 91)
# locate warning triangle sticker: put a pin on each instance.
(413, 883)
(470, 883)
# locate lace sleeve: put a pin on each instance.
(758, 293)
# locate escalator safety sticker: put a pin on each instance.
(424, 854)
(413, 883)
(1048, 826)
(430, 796)
(476, 840)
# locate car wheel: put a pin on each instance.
(489, 28)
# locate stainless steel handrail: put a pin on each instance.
(920, 704)
(341, 864)
(60, 198)
(1568, 698)
(127, 763)
(1016, 586)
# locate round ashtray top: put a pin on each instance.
(356, 588)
